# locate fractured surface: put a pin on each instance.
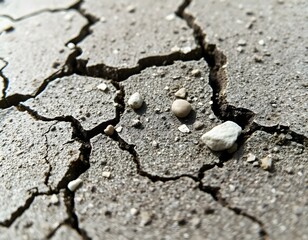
(79, 97)
(279, 197)
(29, 164)
(36, 49)
(18, 9)
(128, 206)
(177, 153)
(143, 29)
(276, 88)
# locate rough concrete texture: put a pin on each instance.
(79, 97)
(128, 206)
(176, 153)
(43, 52)
(149, 179)
(250, 31)
(134, 21)
(277, 197)
(35, 223)
(28, 144)
(19, 9)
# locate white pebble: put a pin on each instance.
(102, 87)
(183, 128)
(109, 130)
(222, 137)
(181, 108)
(251, 157)
(106, 174)
(261, 42)
(119, 129)
(186, 50)
(175, 49)
(170, 17)
(74, 185)
(54, 199)
(241, 42)
(266, 163)
(71, 45)
(181, 93)
(135, 101)
(196, 72)
(133, 211)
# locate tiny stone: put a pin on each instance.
(146, 218)
(170, 17)
(198, 125)
(71, 45)
(135, 101)
(212, 116)
(106, 174)
(155, 144)
(258, 58)
(255, 164)
(74, 185)
(275, 149)
(261, 42)
(181, 108)
(222, 137)
(240, 49)
(266, 163)
(136, 123)
(54, 199)
(131, 9)
(175, 49)
(251, 158)
(109, 130)
(102, 87)
(183, 128)
(196, 73)
(186, 49)
(133, 211)
(119, 129)
(241, 42)
(181, 93)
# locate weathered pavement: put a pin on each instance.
(244, 61)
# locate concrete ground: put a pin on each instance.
(67, 70)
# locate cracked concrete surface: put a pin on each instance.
(151, 181)
(276, 88)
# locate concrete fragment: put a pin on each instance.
(181, 93)
(184, 129)
(222, 136)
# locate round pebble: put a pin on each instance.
(135, 101)
(74, 185)
(181, 108)
(109, 130)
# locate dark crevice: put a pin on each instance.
(121, 74)
(215, 193)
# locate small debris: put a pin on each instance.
(135, 101)
(175, 49)
(261, 42)
(119, 129)
(136, 123)
(103, 87)
(106, 174)
(155, 144)
(186, 50)
(133, 211)
(240, 49)
(181, 93)
(131, 9)
(181, 108)
(54, 199)
(71, 45)
(241, 42)
(266, 163)
(170, 17)
(255, 164)
(198, 125)
(184, 129)
(258, 58)
(74, 185)
(212, 116)
(146, 218)
(109, 130)
(222, 137)
(251, 158)
(196, 72)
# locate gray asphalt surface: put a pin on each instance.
(67, 70)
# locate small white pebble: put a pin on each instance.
(103, 87)
(106, 174)
(71, 45)
(54, 199)
(135, 101)
(186, 50)
(109, 130)
(241, 42)
(251, 158)
(181, 93)
(261, 42)
(170, 17)
(183, 128)
(119, 129)
(175, 49)
(133, 211)
(155, 144)
(131, 9)
(181, 108)
(196, 72)
(74, 185)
